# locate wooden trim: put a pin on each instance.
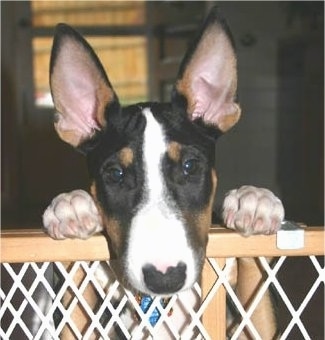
(224, 243)
(35, 246)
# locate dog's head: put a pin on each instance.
(151, 164)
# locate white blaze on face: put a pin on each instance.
(157, 234)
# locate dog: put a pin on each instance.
(151, 166)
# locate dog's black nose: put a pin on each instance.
(164, 283)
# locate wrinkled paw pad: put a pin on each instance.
(72, 215)
(252, 210)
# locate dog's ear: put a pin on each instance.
(207, 79)
(80, 88)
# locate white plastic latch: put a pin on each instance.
(290, 236)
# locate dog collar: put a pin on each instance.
(145, 302)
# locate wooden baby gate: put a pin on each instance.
(36, 273)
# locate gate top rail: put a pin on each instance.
(33, 245)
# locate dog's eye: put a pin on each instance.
(190, 167)
(115, 174)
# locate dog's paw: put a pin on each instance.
(252, 210)
(72, 215)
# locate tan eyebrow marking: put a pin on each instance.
(174, 151)
(126, 156)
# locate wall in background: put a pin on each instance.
(277, 144)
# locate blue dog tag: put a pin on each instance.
(145, 304)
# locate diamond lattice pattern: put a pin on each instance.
(83, 300)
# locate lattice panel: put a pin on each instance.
(289, 307)
(83, 300)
